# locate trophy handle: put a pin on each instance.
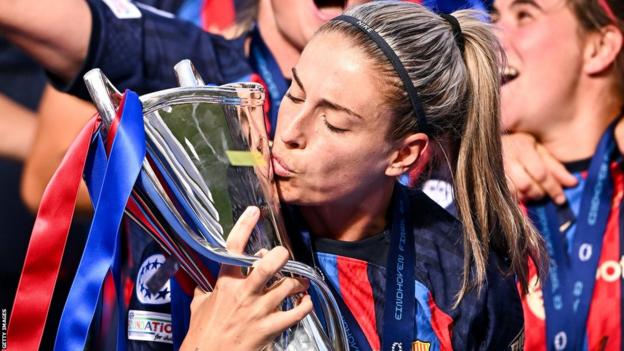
(104, 94)
(187, 75)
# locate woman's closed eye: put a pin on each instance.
(294, 99)
(331, 127)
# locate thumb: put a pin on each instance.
(240, 233)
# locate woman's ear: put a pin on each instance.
(408, 153)
(601, 50)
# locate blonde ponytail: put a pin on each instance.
(490, 215)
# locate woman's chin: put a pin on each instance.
(290, 196)
(286, 193)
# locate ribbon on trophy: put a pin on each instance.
(110, 196)
(47, 243)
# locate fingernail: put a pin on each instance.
(560, 200)
(251, 211)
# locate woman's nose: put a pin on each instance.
(292, 132)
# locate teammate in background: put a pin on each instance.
(568, 96)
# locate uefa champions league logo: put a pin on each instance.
(147, 270)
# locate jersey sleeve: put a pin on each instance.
(139, 53)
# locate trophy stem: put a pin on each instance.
(104, 94)
(187, 75)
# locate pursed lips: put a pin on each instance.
(280, 168)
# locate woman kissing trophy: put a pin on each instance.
(207, 159)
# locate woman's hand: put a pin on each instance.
(532, 172)
(241, 313)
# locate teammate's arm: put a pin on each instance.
(54, 32)
(136, 49)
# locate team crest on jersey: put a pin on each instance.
(421, 345)
(147, 270)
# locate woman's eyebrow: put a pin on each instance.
(331, 105)
(297, 80)
(526, 2)
(324, 102)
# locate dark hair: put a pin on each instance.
(592, 17)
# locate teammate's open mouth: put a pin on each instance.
(509, 73)
(322, 4)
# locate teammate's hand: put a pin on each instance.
(532, 172)
(242, 312)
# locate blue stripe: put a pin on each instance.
(424, 330)
(574, 196)
(191, 11)
(330, 269)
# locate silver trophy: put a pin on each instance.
(208, 158)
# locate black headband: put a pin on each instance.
(457, 32)
(398, 67)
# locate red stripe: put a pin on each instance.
(607, 10)
(357, 294)
(128, 288)
(114, 125)
(441, 324)
(534, 325)
(166, 242)
(185, 282)
(218, 13)
(46, 247)
(108, 305)
(603, 323)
